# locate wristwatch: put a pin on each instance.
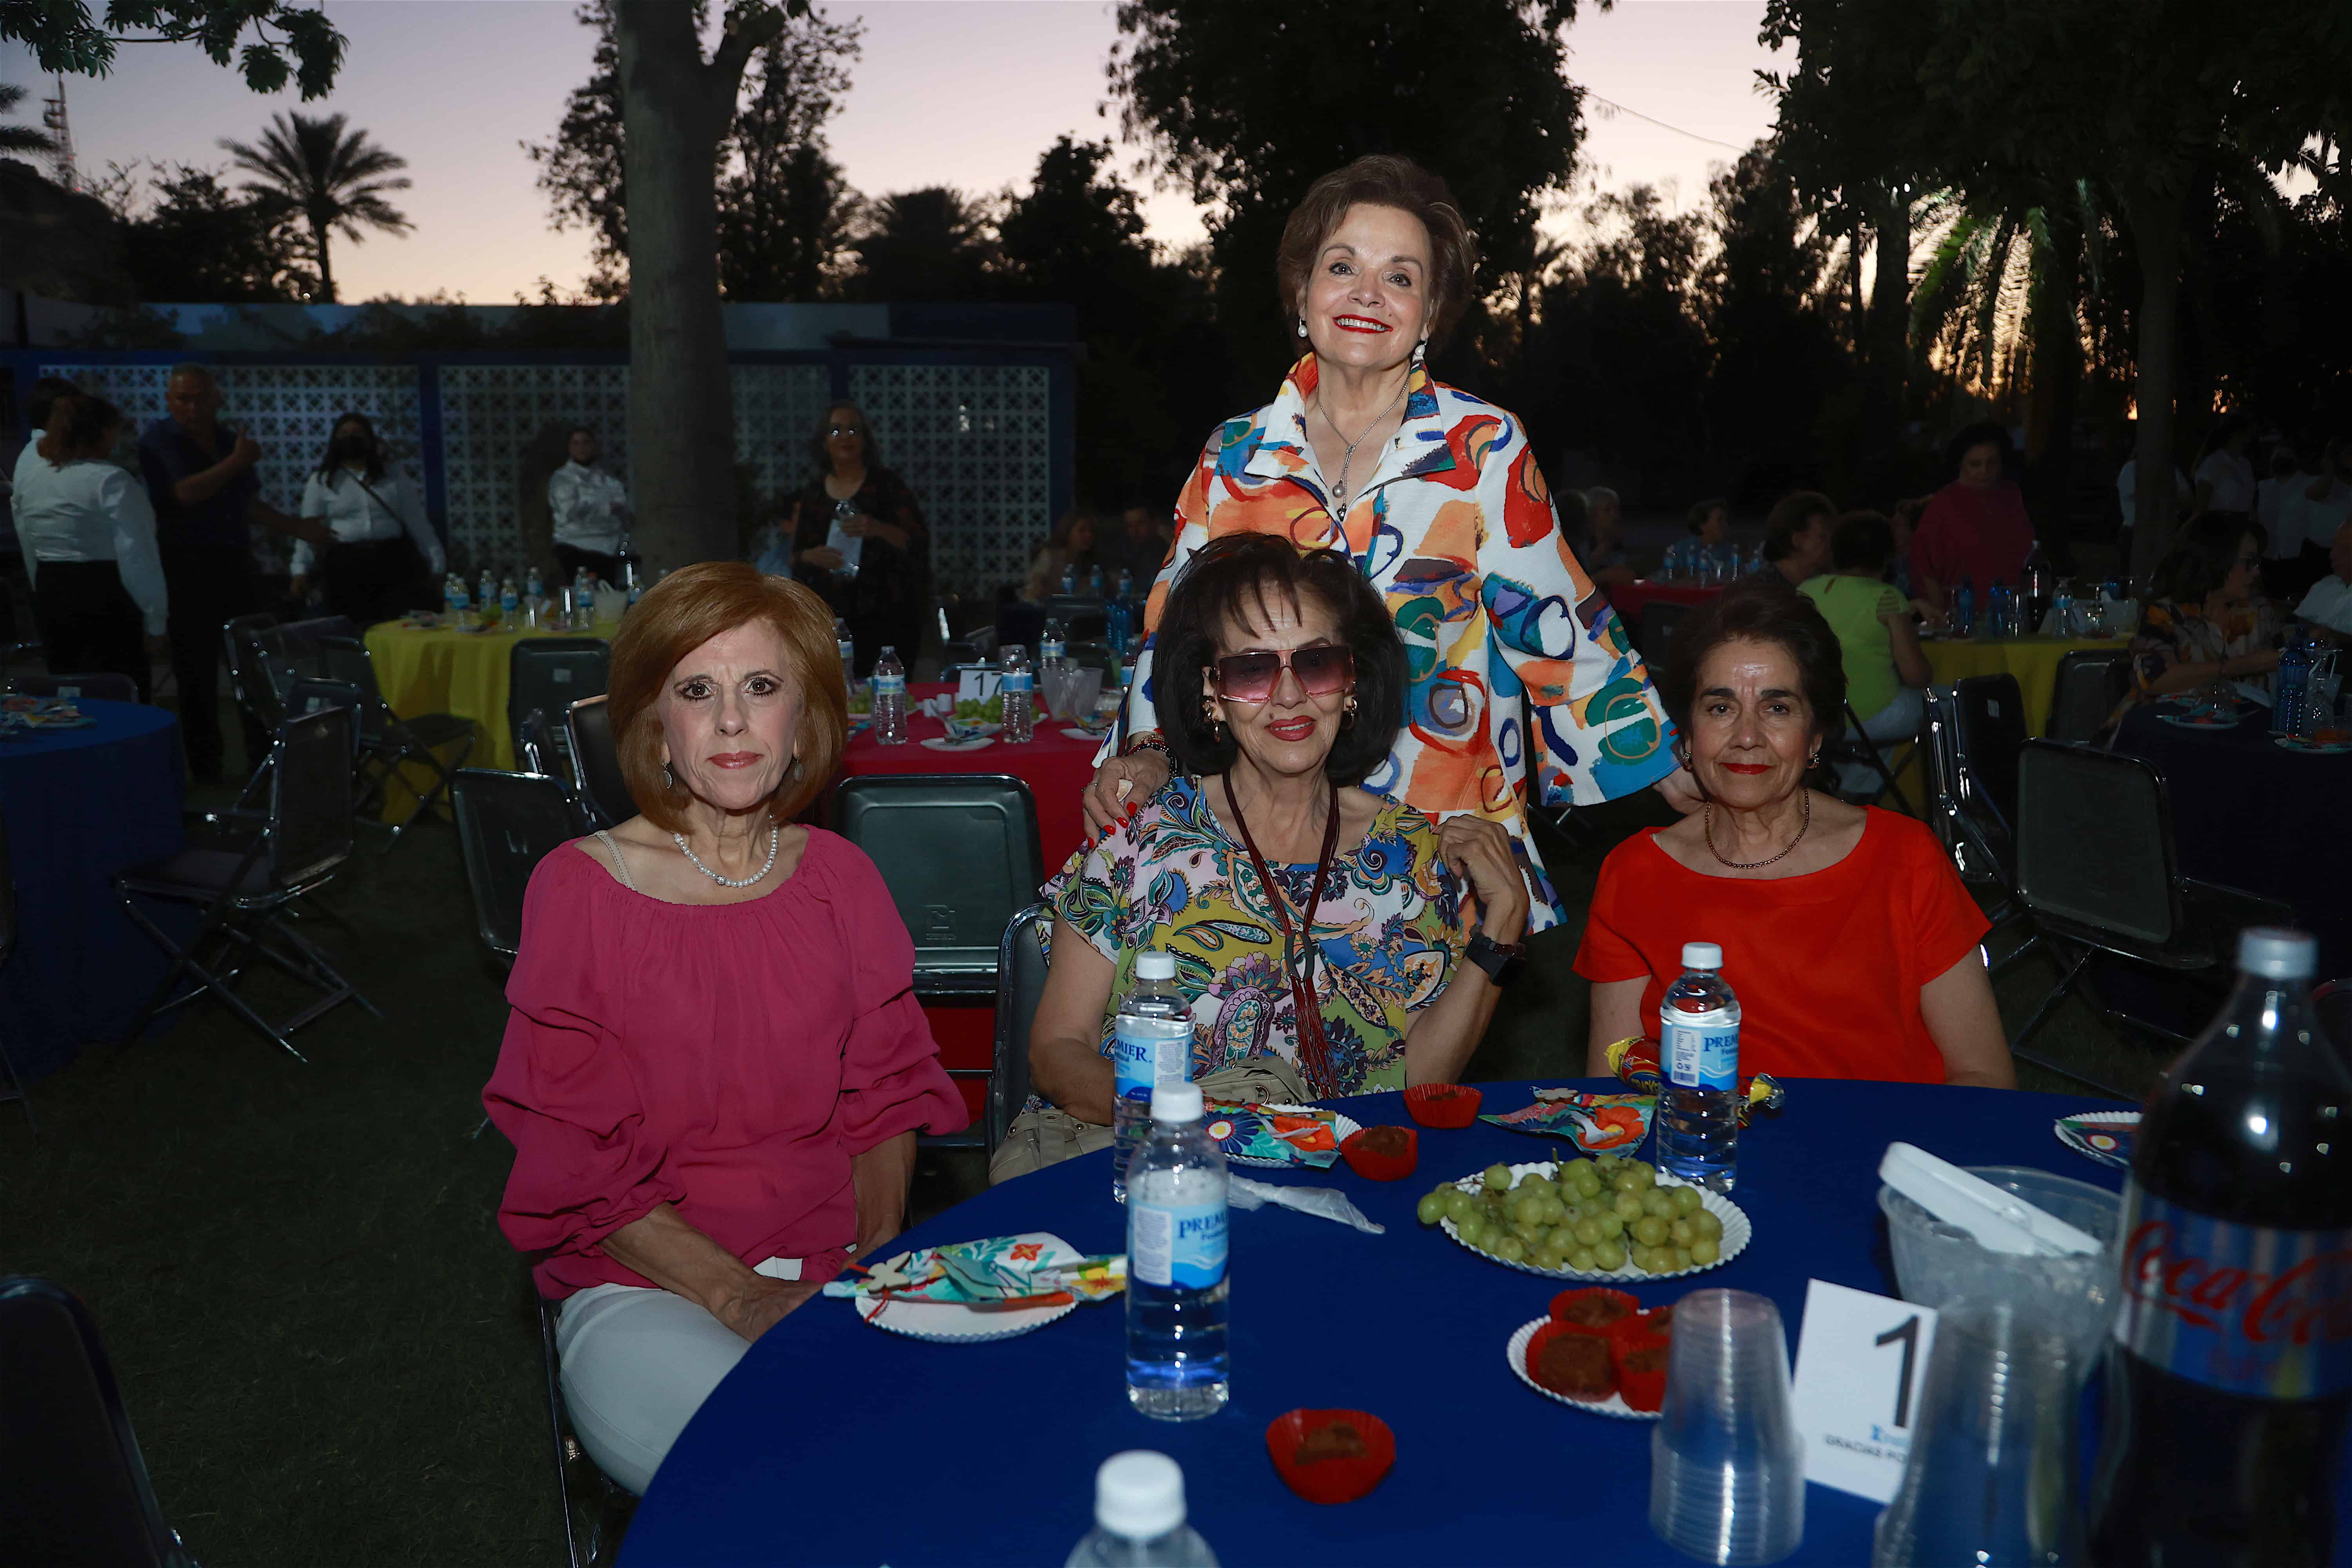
(1502, 961)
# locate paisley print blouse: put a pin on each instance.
(1387, 935)
(1519, 667)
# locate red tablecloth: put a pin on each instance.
(1630, 597)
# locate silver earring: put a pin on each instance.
(1419, 353)
(668, 782)
(796, 767)
(1302, 326)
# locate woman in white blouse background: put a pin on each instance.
(590, 511)
(2224, 476)
(385, 555)
(88, 535)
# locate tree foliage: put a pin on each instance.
(20, 139)
(327, 173)
(189, 239)
(286, 42)
(926, 245)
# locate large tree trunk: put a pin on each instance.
(2051, 398)
(326, 273)
(2156, 229)
(675, 106)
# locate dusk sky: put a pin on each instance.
(960, 92)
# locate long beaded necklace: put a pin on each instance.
(1758, 865)
(1340, 491)
(775, 837)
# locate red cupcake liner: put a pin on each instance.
(1544, 1336)
(1649, 1320)
(1330, 1481)
(1641, 1389)
(1441, 1104)
(1381, 1167)
(1600, 1332)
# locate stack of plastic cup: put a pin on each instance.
(1726, 1465)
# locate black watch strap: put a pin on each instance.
(1502, 961)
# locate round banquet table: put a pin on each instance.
(82, 806)
(1629, 598)
(834, 1442)
(441, 670)
(2250, 813)
(2034, 660)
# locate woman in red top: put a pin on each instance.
(716, 1065)
(1845, 932)
(1976, 526)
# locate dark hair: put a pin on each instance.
(1863, 539)
(2225, 429)
(1758, 610)
(1575, 514)
(328, 467)
(1789, 517)
(1231, 577)
(586, 430)
(1701, 510)
(2203, 556)
(1068, 524)
(1384, 180)
(823, 458)
(1984, 432)
(78, 424)
(45, 396)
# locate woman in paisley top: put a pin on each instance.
(1284, 678)
(1520, 676)
(2206, 620)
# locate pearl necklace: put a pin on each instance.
(775, 837)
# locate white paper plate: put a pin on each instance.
(1075, 733)
(2083, 1145)
(1736, 1232)
(952, 1323)
(939, 744)
(1342, 1127)
(1614, 1405)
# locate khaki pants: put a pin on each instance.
(1040, 1138)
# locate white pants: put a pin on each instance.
(636, 1365)
(1899, 721)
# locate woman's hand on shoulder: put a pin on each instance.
(1480, 852)
(765, 1303)
(1142, 776)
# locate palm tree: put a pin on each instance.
(19, 137)
(333, 179)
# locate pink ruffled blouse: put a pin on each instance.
(728, 1059)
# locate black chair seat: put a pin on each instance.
(202, 873)
(440, 729)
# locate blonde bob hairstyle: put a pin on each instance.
(678, 615)
(1384, 180)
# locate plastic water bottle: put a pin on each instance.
(1069, 579)
(1094, 581)
(1963, 607)
(1755, 561)
(1152, 1046)
(1699, 1047)
(2290, 688)
(1119, 626)
(1126, 583)
(509, 603)
(1177, 1366)
(1140, 1517)
(453, 594)
(2000, 604)
(534, 586)
(848, 650)
(1018, 686)
(1053, 650)
(889, 699)
(486, 593)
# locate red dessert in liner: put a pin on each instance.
(1642, 1388)
(1441, 1104)
(1565, 1309)
(1373, 1165)
(1658, 1320)
(1544, 1336)
(1333, 1480)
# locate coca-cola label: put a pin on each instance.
(2239, 1308)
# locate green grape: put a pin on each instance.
(1581, 1260)
(1612, 1224)
(1587, 1180)
(1628, 1207)
(1588, 1232)
(1460, 1205)
(1573, 1212)
(1609, 1257)
(1472, 1231)
(1512, 1249)
(1682, 1257)
(1704, 1250)
(1552, 1210)
(1644, 1170)
(1429, 1210)
(1639, 1258)
(1654, 1201)
(1625, 1181)
(1650, 1230)
(1547, 1257)
(1526, 1229)
(1686, 1199)
(1534, 1182)
(1680, 1232)
(1498, 1178)
(1705, 1225)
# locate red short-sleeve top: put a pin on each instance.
(1827, 966)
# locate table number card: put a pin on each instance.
(976, 685)
(1861, 1365)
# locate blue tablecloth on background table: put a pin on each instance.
(834, 1442)
(82, 806)
(2250, 813)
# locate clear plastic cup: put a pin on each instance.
(1726, 1465)
(1937, 1264)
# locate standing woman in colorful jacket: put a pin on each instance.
(1516, 663)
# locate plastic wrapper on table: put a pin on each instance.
(1596, 1123)
(994, 1269)
(1635, 1062)
(1325, 1203)
(1296, 1137)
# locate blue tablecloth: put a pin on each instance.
(82, 806)
(832, 1442)
(2250, 813)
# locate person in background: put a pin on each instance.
(1709, 525)
(589, 511)
(2328, 604)
(200, 478)
(1139, 546)
(1976, 526)
(2326, 502)
(2204, 623)
(2127, 500)
(2278, 507)
(88, 533)
(1601, 543)
(1886, 672)
(1905, 521)
(386, 557)
(2224, 476)
(1845, 930)
(885, 596)
(1797, 536)
(15, 565)
(1071, 549)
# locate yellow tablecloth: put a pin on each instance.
(2034, 660)
(463, 673)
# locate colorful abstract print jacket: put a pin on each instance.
(1502, 628)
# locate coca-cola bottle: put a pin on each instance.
(2230, 1368)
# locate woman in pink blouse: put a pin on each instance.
(1975, 528)
(715, 1066)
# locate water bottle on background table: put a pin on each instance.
(1094, 581)
(2291, 687)
(2037, 583)
(889, 699)
(1069, 579)
(1755, 561)
(2001, 605)
(1140, 1517)
(1126, 583)
(1698, 1048)
(510, 604)
(848, 650)
(1177, 1365)
(486, 595)
(534, 586)
(1964, 606)
(1018, 686)
(454, 598)
(1119, 626)
(1152, 1046)
(1053, 647)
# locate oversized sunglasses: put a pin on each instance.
(1252, 677)
(846, 430)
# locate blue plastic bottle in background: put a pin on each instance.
(2290, 688)
(2000, 604)
(1126, 583)
(1177, 1366)
(1698, 1059)
(1963, 607)
(1094, 581)
(1069, 579)
(1140, 1517)
(1151, 1045)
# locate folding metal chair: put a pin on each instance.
(74, 1487)
(103, 686)
(588, 725)
(2097, 872)
(2091, 685)
(1019, 982)
(245, 892)
(1853, 746)
(389, 742)
(1974, 832)
(506, 823)
(610, 1503)
(15, 1089)
(548, 675)
(535, 746)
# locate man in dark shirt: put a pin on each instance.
(200, 477)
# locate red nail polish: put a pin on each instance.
(1133, 810)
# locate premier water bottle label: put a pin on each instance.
(889, 685)
(1702, 1056)
(1049, 650)
(1177, 1244)
(1143, 1058)
(2238, 1308)
(1014, 680)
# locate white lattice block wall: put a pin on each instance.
(975, 443)
(777, 407)
(491, 413)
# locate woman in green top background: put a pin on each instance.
(1886, 669)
